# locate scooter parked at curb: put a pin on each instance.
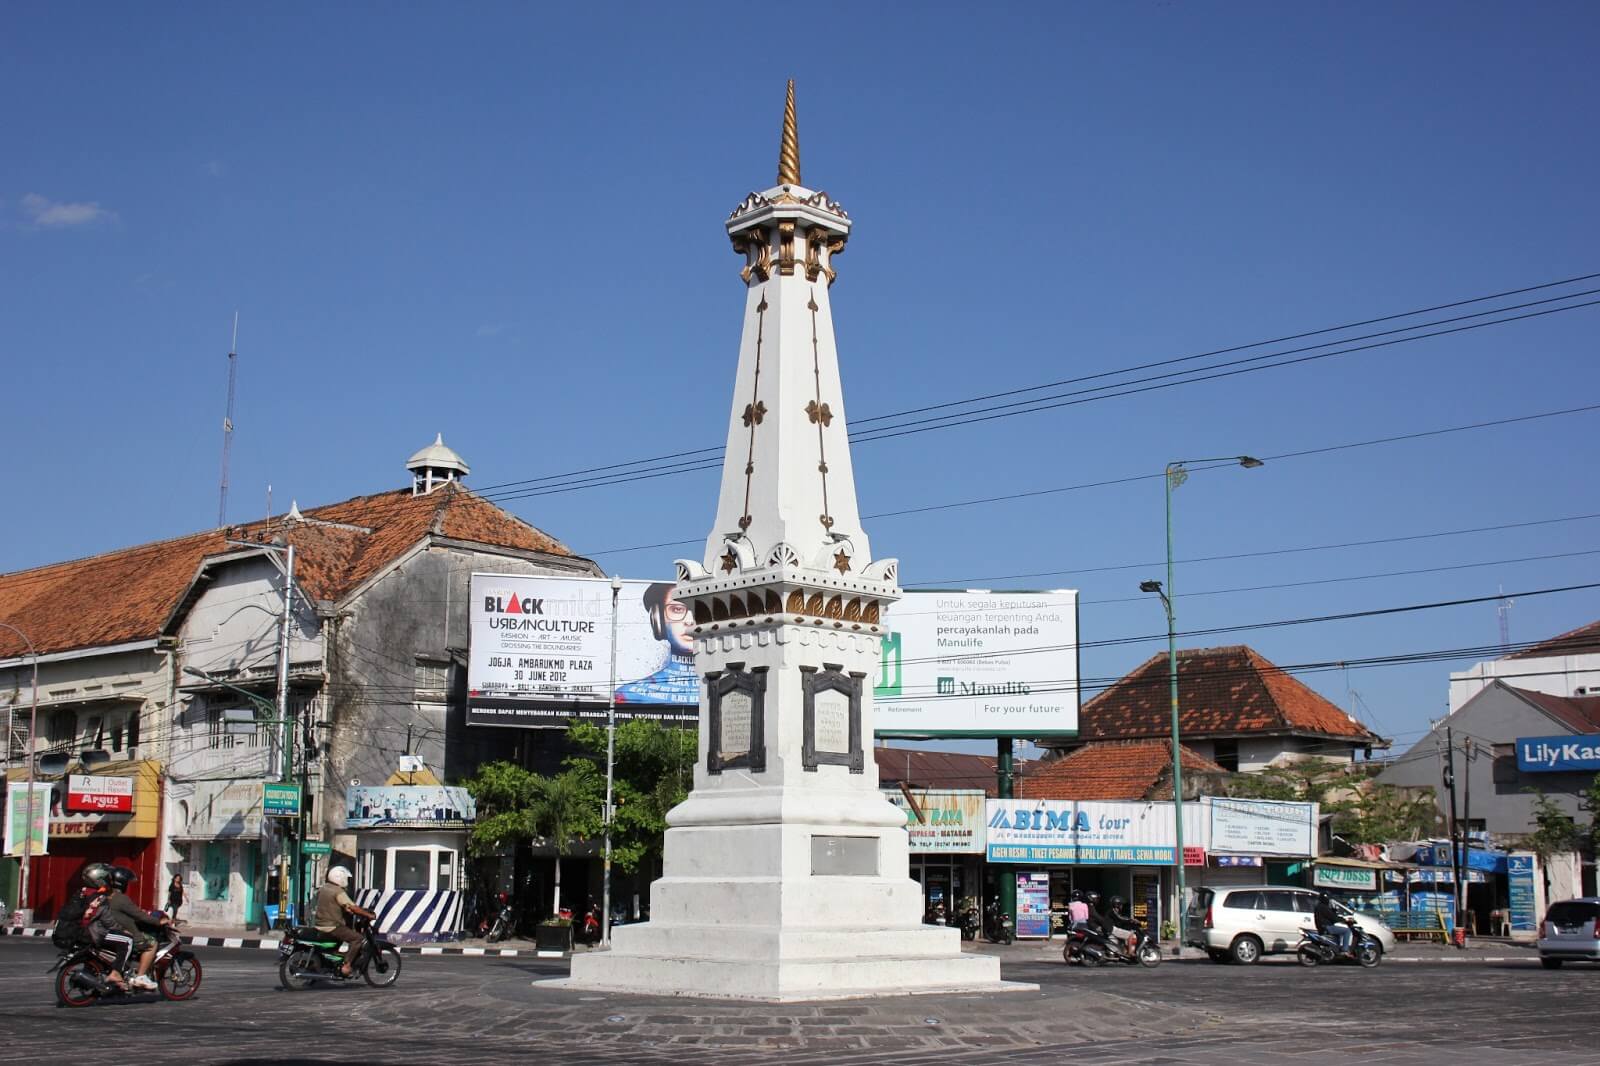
(83, 974)
(1318, 948)
(998, 928)
(308, 955)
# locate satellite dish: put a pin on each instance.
(55, 763)
(91, 759)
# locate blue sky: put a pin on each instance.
(504, 222)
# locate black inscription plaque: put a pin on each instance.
(735, 713)
(832, 718)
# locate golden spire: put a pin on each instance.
(789, 151)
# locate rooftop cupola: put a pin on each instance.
(437, 464)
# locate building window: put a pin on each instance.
(432, 675)
(413, 870)
(1225, 753)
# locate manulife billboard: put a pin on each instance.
(974, 663)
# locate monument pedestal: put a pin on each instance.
(789, 909)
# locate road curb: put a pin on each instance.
(245, 943)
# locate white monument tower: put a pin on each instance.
(785, 871)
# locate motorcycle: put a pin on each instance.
(504, 924)
(83, 974)
(1318, 948)
(1088, 947)
(998, 927)
(308, 955)
(970, 922)
(587, 930)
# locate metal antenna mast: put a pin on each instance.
(227, 422)
(1503, 609)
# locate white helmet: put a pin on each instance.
(339, 876)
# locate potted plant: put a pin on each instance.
(554, 935)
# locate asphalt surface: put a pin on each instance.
(453, 1009)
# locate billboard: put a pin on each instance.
(979, 664)
(408, 807)
(942, 820)
(1091, 832)
(1263, 827)
(1557, 754)
(541, 651)
(17, 821)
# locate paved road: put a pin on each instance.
(469, 1010)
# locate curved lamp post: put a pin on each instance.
(33, 728)
(1177, 474)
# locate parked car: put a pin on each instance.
(1243, 924)
(1570, 931)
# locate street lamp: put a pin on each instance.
(33, 736)
(1176, 475)
(611, 761)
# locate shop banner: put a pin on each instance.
(1519, 870)
(1088, 832)
(950, 821)
(408, 807)
(1355, 878)
(100, 795)
(1263, 827)
(1558, 754)
(1033, 905)
(979, 664)
(545, 643)
(17, 832)
(1236, 860)
(1493, 862)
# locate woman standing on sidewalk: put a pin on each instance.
(175, 896)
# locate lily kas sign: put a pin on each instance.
(1554, 754)
(100, 795)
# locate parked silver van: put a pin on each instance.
(1243, 924)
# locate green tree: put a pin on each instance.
(654, 769)
(517, 806)
(1363, 811)
(1556, 831)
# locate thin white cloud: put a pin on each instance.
(47, 213)
(216, 168)
(492, 329)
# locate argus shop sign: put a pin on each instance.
(100, 795)
(1555, 754)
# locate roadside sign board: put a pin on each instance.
(280, 800)
(316, 847)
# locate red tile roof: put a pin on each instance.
(128, 595)
(921, 768)
(1584, 639)
(1581, 714)
(1227, 691)
(1112, 770)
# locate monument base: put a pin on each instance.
(926, 963)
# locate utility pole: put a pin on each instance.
(1466, 816)
(291, 843)
(611, 763)
(1450, 784)
(1004, 785)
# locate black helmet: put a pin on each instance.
(1116, 903)
(1093, 898)
(1324, 897)
(1077, 895)
(121, 877)
(94, 875)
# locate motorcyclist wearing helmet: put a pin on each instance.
(1116, 914)
(121, 923)
(1077, 910)
(1331, 923)
(333, 904)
